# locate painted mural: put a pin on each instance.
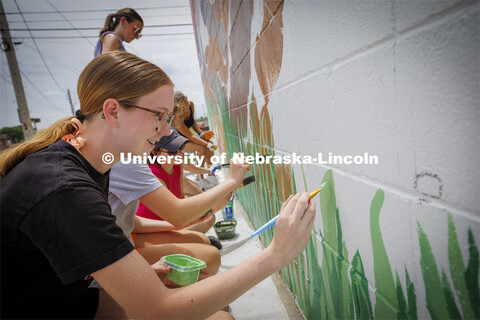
(241, 51)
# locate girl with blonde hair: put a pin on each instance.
(57, 228)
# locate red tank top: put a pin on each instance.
(173, 183)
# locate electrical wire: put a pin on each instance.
(96, 37)
(40, 92)
(102, 19)
(62, 64)
(94, 28)
(96, 10)
(38, 50)
(86, 39)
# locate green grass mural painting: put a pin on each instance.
(327, 281)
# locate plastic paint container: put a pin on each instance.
(228, 211)
(225, 229)
(185, 269)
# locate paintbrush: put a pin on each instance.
(266, 226)
(215, 167)
(246, 181)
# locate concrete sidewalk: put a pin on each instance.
(270, 299)
(262, 301)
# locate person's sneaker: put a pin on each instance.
(215, 242)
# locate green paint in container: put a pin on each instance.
(185, 269)
(225, 229)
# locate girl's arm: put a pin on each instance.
(124, 278)
(194, 169)
(196, 127)
(110, 43)
(167, 206)
(195, 139)
(182, 195)
(144, 225)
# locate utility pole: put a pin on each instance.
(8, 48)
(70, 100)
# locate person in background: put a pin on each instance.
(171, 176)
(198, 144)
(123, 25)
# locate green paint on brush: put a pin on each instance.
(457, 270)
(434, 293)
(386, 292)
(471, 274)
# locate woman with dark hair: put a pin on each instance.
(123, 25)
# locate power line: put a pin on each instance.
(40, 92)
(102, 19)
(94, 28)
(96, 37)
(95, 10)
(38, 49)
(70, 23)
(60, 63)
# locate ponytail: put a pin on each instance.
(113, 19)
(119, 75)
(10, 158)
(110, 23)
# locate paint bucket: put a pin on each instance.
(185, 269)
(225, 229)
(228, 211)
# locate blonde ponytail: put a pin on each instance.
(10, 158)
(117, 74)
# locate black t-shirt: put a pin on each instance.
(57, 229)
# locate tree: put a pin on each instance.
(14, 134)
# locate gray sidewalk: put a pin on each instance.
(262, 301)
(270, 299)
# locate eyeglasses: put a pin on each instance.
(170, 153)
(163, 118)
(137, 31)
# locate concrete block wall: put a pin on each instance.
(397, 79)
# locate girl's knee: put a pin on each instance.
(221, 315)
(213, 257)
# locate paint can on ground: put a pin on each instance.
(225, 229)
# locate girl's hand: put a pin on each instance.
(161, 271)
(293, 228)
(237, 172)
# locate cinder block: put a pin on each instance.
(437, 81)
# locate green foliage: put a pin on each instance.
(449, 299)
(433, 285)
(457, 270)
(201, 119)
(471, 275)
(15, 134)
(386, 291)
(361, 295)
(333, 288)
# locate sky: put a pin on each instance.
(51, 62)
